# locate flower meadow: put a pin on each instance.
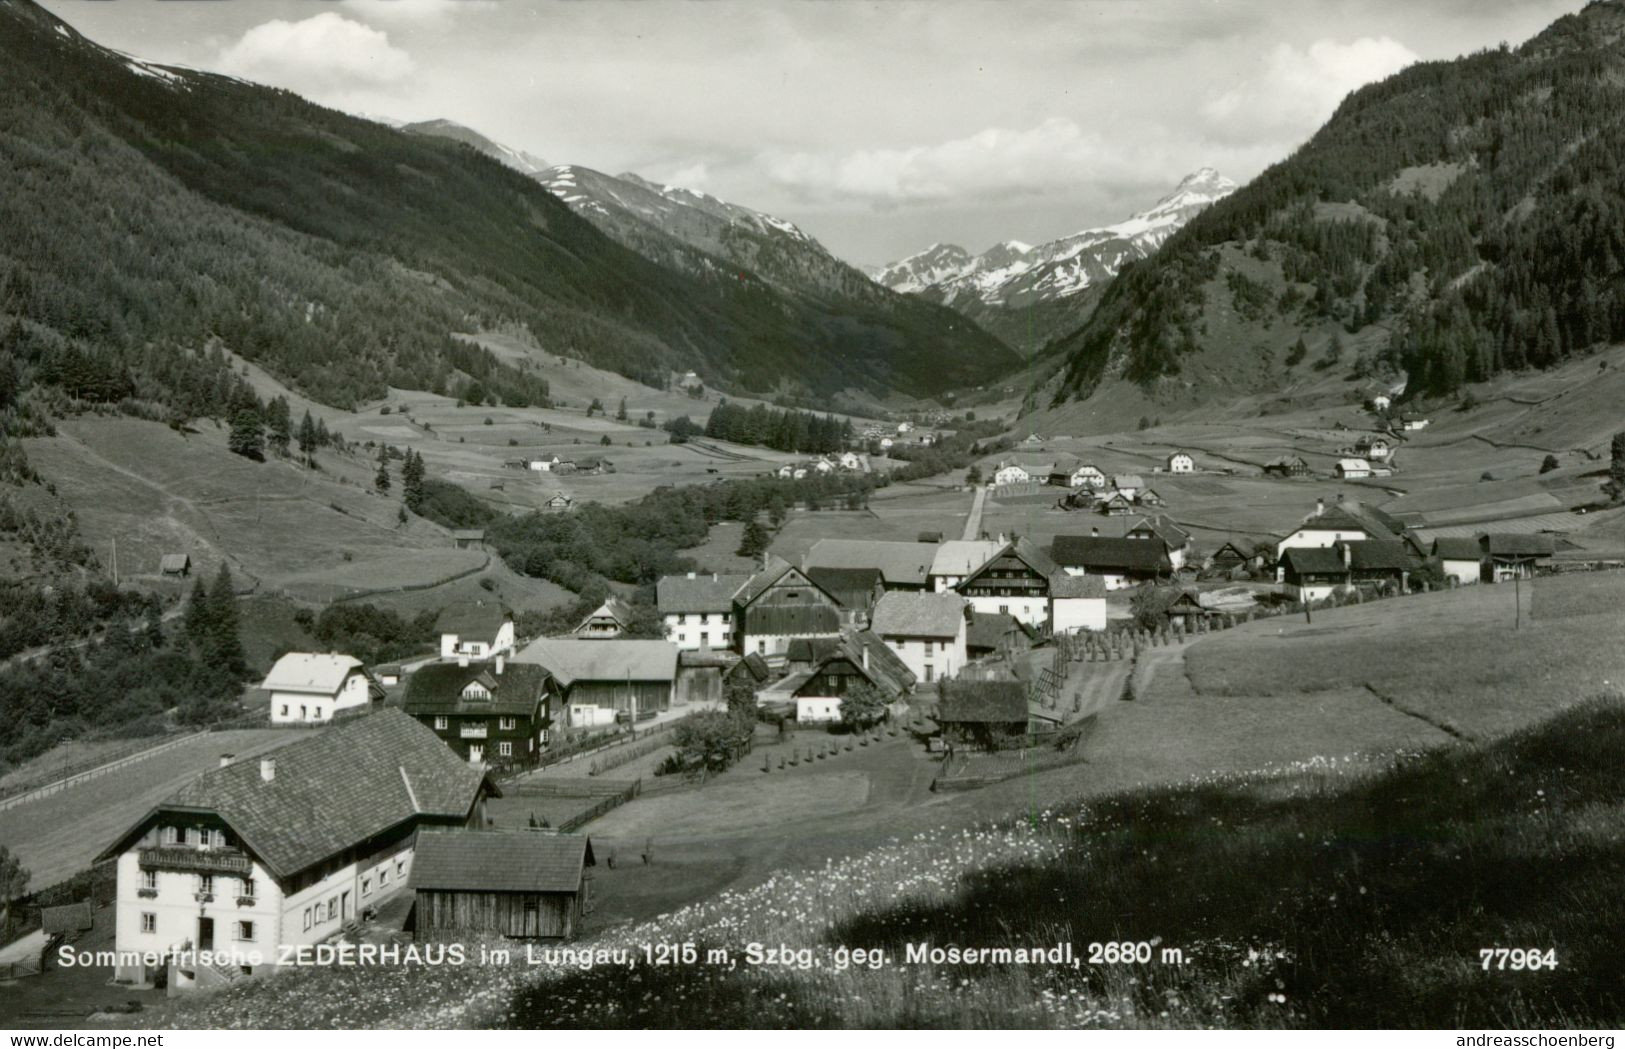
(1330, 892)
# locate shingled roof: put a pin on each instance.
(1101, 552)
(615, 659)
(1063, 585)
(331, 790)
(1373, 554)
(994, 701)
(317, 672)
(1508, 544)
(852, 587)
(1457, 548)
(918, 615)
(989, 629)
(500, 861)
(472, 619)
(1023, 550)
(1318, 560)
(697, 592)
(437, 688)
(900, 564)
(961, 557)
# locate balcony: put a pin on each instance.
(197, 861)
(472, 731)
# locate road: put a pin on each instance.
(973, 523)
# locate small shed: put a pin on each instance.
(929, 537)
(983, 713)
(175, 564)
(519, 884)
(468, 538)
(70, 919)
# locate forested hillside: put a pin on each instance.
(149, 210)
(1471, 211)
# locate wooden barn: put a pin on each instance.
(524, 885)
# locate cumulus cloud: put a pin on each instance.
(1049, 157)
(1296, 89)
(413, 12)
(321, 54)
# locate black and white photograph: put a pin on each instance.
(776, 515)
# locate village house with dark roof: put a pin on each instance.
(782, 603)
(1459, 558)
(517, 884)
(991, 632)
(832, 667)
(283, 850)
(1513, 556)
(902, 566)
(610, 619)
(604, 682)
(1118, 562)
(495, 712)
(855, 589)
(927, 631)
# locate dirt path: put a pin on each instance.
(973, 523)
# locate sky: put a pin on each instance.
(879, 128)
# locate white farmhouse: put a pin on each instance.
(312, 687)
(1348, 521)
(1353, 469)
(476, 629)
(698, 609)
(1181, 463)
(1011, 473)
(283, 850)
(1461, 559)
(927, 631)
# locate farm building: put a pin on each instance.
(607, 681)
(700, 677)
(834, 667)
(1128, 484)
(927, 630)
(1287, 466)
(1076, 603)
(983, 713)
(958, 558)
(903, 566)
(494, 713)
(1180, 463)
(781, 603)
(1010, 473)
(698, 608)
(608, 620)
(476, 629)
(1118, 504)
(1375, 448)
(992, 632)
(933, 537)
(1382, 563)
(1413, 421)
(1461, 559)
(521, 885)
(1348, 520)
(1150, 497)
(1312, 573)
(314, 687)
(1353, 469)
(389, 674)
(175, 564)
(285, 850)
(751, 670)
(1513, 556)
(1381, 402)
(1118, 562)
(1242, 553)
(855, 589)
(1176, 605)
(1015, 580)
(468, 538)
(559, 502)
(1074, 474)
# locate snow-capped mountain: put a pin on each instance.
(517, 159)
(1014, 274)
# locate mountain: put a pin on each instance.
(1011, 284)
(518, 159)
(1459, 219)
(152, 213)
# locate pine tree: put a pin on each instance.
(307, 438)
(412, 481)
(224, 648)
(1616, 464)
(278, 425)
(754, 541)
(620, 413)
(197, 624)
(380, 480)
(246, 437)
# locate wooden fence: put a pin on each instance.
(27, 794)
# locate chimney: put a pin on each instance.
(462, 659)
(268, 769)
(1320, 507)
(225, 759)
(865, 655)
(502, 661)
(1348, 554)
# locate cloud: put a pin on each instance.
(1296, 90)
(1052, 156)
(413, 12)
(320, 54)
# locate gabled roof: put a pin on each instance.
(437, 688)
(612, 608)
(472, 619)
(1022, 549)
(1351, 515)
(775, 569)
(852, 587)
(1374, 554)
(1505, 544)
(1317, 560)
(900, 564)
(1102, 552)
(316, 672)
(885, 670)
(959, 557)
(1062, 585)
(989, 629)
(1128, 481)
(988, 701)
(500, 861)
(900, 614)
(615, 659)
(1354, 466)
(1457, 548)
(697, 592)
(1247, 548)
(753, 667)
(174, 562)
(333, 789)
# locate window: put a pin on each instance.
(505, 749)
(180, 835)
(248, 887)
(440, 723)
(705, 617)
(682, 639)
(205, 884)
(682, 617)
(284, 710)
(304, 712)
(383, 877)
(307, 919)
(761, 648)
(245, 930)
(149, 879)
(366, 886)
(400, 867)
(507, 724)
(332, 908)
(149, 921)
